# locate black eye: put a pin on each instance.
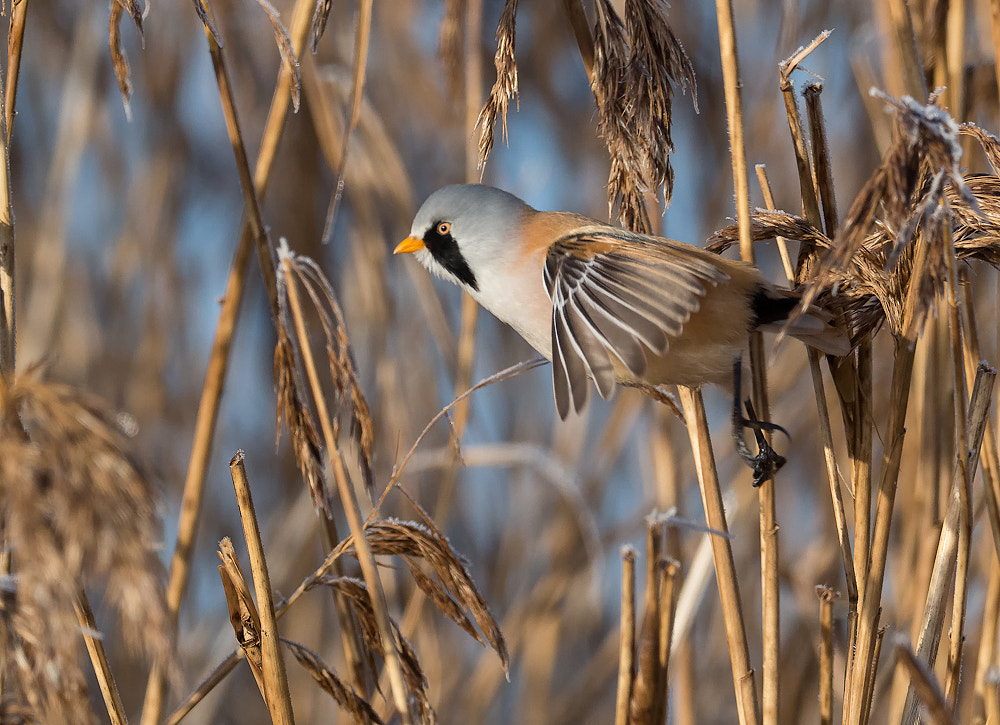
(443, 228)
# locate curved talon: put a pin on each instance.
(767, 462)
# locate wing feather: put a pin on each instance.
(618, 294)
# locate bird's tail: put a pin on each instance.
(815, 327)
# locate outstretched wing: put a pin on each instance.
(616, 293)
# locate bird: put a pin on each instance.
(606, 305)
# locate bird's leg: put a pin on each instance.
(767, 462)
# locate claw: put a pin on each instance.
(767, 462)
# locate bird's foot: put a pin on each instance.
(767, 461)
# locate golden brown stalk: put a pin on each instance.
(768, 508)
(826, 599)
(15, 42)
(99, 659)
(626, 648)
(272, 664)
(722, 552)
(646, 702)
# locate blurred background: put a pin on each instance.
(126, 231)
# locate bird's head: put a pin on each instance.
(463, 230)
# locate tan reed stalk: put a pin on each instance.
(946, 562)
(907, 54)
(826, 599)
(668, 573)
(987, 644)
(954, 53)
(765, 189)
(218, 365)
(823, 169)
(965, 470)
(863, 671)
(99, 659)
(626, 645)
(988, 455)
(279, 701)
(15, 42)
(768, 510)
(647, 704)
(836, 496)
(365, 557)
(925, 684)
(807, 185)
(722, 552)
(362, 35)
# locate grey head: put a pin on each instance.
(465, 228)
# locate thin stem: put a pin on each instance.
(722, 552)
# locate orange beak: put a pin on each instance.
(410, 244)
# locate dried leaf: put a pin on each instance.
(345, 696)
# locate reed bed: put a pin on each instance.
(425, 542)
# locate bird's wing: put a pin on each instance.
(613, 293)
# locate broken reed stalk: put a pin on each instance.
(722, 553)
(626, 646)
(99, 659)
(768, 510)
(864, 667)
(648, 702)
(826, 598)
(273, 664)
(949, 541)
(924, 684)
(349, 502)
(218, 364)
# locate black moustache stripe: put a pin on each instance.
(444, 249)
